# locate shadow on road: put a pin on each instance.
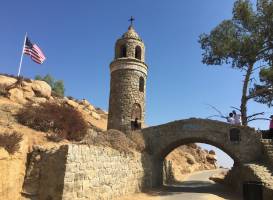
(196, 187)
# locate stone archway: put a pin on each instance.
(159, 159)
(164, 138)
(136, 114)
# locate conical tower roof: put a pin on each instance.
(131, 34)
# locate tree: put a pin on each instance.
(242, 41)
(38, 77)
(50, 80)
(57, 86)
(263, 93)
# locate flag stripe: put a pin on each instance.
(34, 52)
(37, 53)
(37, 61)
(34, 56)
(38, 50)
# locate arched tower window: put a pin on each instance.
(136, 117)
(138, 52)
(141, 84)
(123, 51)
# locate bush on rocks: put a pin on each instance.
(11, 142)
(16, 77)
(117, 140)
(138, 139)
(60, 119)
(113, 139)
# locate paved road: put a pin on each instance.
(197, 186)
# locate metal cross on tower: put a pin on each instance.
(131, 20)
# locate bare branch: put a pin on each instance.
(243, 69)
(220, 114)
(255, 114)
(257, 119)
(238, 109)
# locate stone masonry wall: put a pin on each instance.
(82, 172)
(124, 93)
(103, 173)
(130, 45)
(251, 172)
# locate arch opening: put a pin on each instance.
(169, 148)
(123, 51)
(181, 164)
(138, 52)
(136, 116)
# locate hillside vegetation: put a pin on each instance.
(31, 116)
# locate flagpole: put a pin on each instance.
(20, 65)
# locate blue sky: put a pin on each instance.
(78, 39)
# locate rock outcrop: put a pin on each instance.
(22, 91)
(190, 158)
(41, 89)
(6, 81)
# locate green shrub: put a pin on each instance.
(11, 142)
(61, 119)
(56, 85)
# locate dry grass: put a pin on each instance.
(113, 139)
(16, 77)
(138, 139)
(11, 142)
(117, 140)
(62, 120)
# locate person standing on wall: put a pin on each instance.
(230, 118)
(237, 118)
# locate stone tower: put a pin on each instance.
(128, 83)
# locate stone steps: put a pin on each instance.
(263, 173)
(268, 151)
(268, 141)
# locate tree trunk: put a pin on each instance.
(244, 98)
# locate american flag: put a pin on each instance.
(34, 52)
